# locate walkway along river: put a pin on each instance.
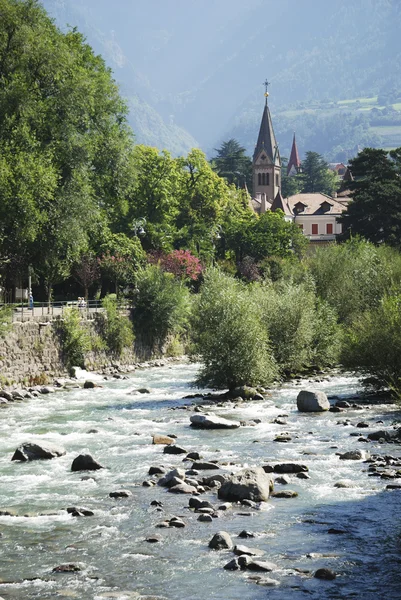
(354, 530)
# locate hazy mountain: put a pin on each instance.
(194, 70)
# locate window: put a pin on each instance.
(277, 182)
(329, 228)
(263, 179)
(267, 178)
(315, 228)
(259, 179)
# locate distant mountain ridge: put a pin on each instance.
(193, 71)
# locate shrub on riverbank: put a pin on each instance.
(229, 335)
(75, 341)
(161, 307)
(373, 345)
(117, 329)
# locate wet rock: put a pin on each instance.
(85, 462)
(302, 476)
(157, 471)
(225, 506)
(164, 440)
(47, 389)
(283, 437)
(393, 486)
(30, 451)
(246, 534)
(252, 484)
(69, 568)
(240, 550)
(174, 450)
(148, 483)
(335, 409)
(264, 581)
(310, 401)
(362, 424)
(205, 511)
(283, 480)
(120, 494)
(204, 466)
(284, 494)
(324, 573)
(213, 479)
(154, 539)
(221, 541)
(232, 565)
(88, 385)
(378, 435)
(197, 503)
(212, 422)
(205, 518)
(245, 393)
(193, 456)
(80, 511)
(167, 479)
(354, 455)
(344, 483)
(343, 404)
(335, 531)
(176, 522)
(290, 468)
(251, 564)
(156, 503)
(182, 488)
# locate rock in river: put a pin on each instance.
(310, 401)
(35, 452)
(221, 541)
(212, 422)
(85, 462)
(162, 439)
(354, 455)
(252, 484)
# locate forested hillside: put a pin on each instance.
(193, 71)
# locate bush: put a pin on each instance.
(161, 307)
(117, 329)
(74, 339)
(229, 335)
(5, 319)
(373, 345)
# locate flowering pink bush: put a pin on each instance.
(181, 263)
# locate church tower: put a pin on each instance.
(266, 165)
(294, 164)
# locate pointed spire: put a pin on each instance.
(280, 204)
(266, 139)
(294, 158)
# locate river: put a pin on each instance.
(110, 548)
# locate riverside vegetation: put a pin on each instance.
(84, 208)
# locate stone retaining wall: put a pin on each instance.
(30, 352)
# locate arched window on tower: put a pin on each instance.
(267, 178)
(263, 179)
(259, 179)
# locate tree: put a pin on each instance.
(121, 258)
(86, 271)
(290, 185)
(316, 175)
(232, 163)
(375, 210)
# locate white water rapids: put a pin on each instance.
(116, 561)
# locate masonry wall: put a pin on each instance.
(30, 352)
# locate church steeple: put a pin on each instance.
(266, 159)
(294, 164)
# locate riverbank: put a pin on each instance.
(343, 518)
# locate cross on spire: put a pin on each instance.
(266, 83)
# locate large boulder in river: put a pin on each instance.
(221, 541)
(309, 401)
(213, 422)
(85, 462)
(248, 484)
(36, 452)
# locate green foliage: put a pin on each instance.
(373, 345)
(316, 175)
(375, 210)
(117, 328)
(5, 320)
(229, 335)
(161, 307)
(354, 276)
(74, 339)
(232, 163)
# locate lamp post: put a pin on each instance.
(138, 227)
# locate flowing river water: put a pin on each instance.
(116, 561)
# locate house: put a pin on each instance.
(316, 214)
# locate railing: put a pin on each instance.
(43, 311)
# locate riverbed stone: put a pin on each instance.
(167, 479)
(164, 440)
(155, 470)
(31, 451)
(326, 574)
(251, 564)
(221, 541)
(85, 462)
(204, 466)
(312, 401)
(289, 468)
(68, 568)
(284, 494)
(205, 518)
(233, 565)
(173, 449)
(354, 455)
(252, 484)
(197, 503)
(120, 494)
(240, 550)
(378, 435)
(210, 421)
(182, 488)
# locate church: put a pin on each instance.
(316, 214)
